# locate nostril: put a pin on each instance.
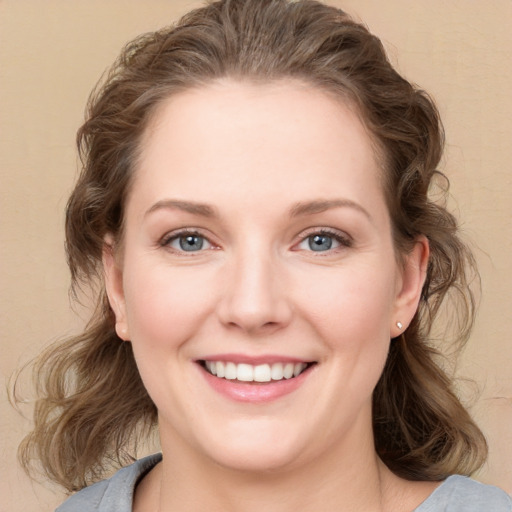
(253, 299)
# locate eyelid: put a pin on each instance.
(165, 240)
(342, 237)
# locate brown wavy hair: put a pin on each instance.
(93, 406)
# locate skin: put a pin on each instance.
(276, 164)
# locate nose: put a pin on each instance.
(255, 298)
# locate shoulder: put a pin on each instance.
(461, 494)
(114, 494)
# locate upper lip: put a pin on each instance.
(254, 360)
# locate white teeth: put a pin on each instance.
(260, 373)
(212, 367)
(297, 369)
(230, 371)
(288, 370)
(276, 371)
(221, 368)
(245, 372)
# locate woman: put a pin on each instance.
(254, 206)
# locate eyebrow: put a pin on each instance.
(204, 210)
(301, 208)
(319, 206)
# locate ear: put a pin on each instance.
(113, 276)
(409, 285)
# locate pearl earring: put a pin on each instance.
(399, 325)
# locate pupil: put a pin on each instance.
(191, 243)
(320, 242)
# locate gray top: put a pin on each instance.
(455, 494)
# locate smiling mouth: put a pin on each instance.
(260, 373)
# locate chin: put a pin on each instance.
(256, 460)
(255, 450)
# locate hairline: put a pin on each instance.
(340, 95)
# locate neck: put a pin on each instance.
(351, 477)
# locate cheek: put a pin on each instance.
(164, 304)
(351, 314)
(352, 304)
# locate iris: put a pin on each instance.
(191, 242)
(320, 242)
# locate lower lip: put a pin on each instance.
(255, 392)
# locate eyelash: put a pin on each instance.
(344, 240)
(166, 240)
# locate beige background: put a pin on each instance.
(53, 51)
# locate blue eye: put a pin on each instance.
(320, 242)
(187, 242)
(191, 242)
(323, 241)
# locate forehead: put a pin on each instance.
(286, 134)
(254, 104)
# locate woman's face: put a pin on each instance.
(258, 245)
